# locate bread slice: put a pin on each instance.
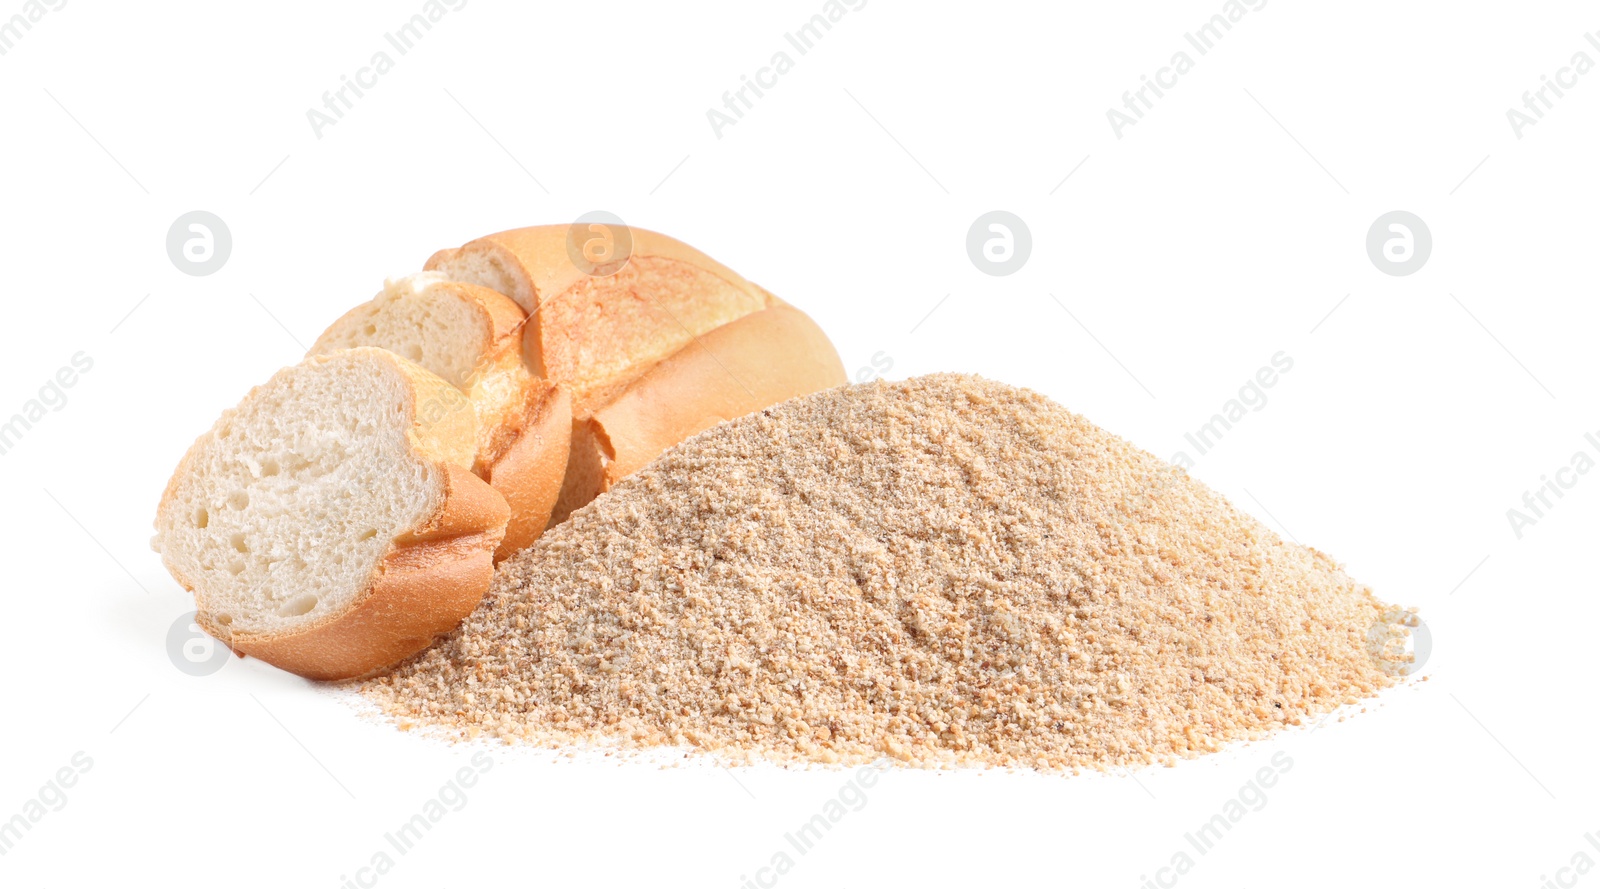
(589, 332)
(470, 336)
(741, 367)
(329, 523)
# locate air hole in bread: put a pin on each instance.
(224, 619)
(257, 547)
(297, 606)
(370, 330)
(269, 467)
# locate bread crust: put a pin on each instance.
(522, 449)
(536, 258)
(505, 316)
(743, 366)
(529, 471)
(641, 306)
(428, 581)
(502, 389)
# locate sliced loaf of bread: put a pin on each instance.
(655, 342)
(470, 336)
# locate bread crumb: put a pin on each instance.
(943, 572)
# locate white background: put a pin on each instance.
(1226, 226)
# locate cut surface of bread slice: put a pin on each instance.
(328, 524)
(741, 367)
(586, 332)
(470, 336)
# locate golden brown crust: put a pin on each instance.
(537, 259)
(591, 333)
(528, 471)
(502, 389)
(429, 580)
(741, 367)
(518, 453)
(505, 316)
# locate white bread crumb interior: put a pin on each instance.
(284, 509)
